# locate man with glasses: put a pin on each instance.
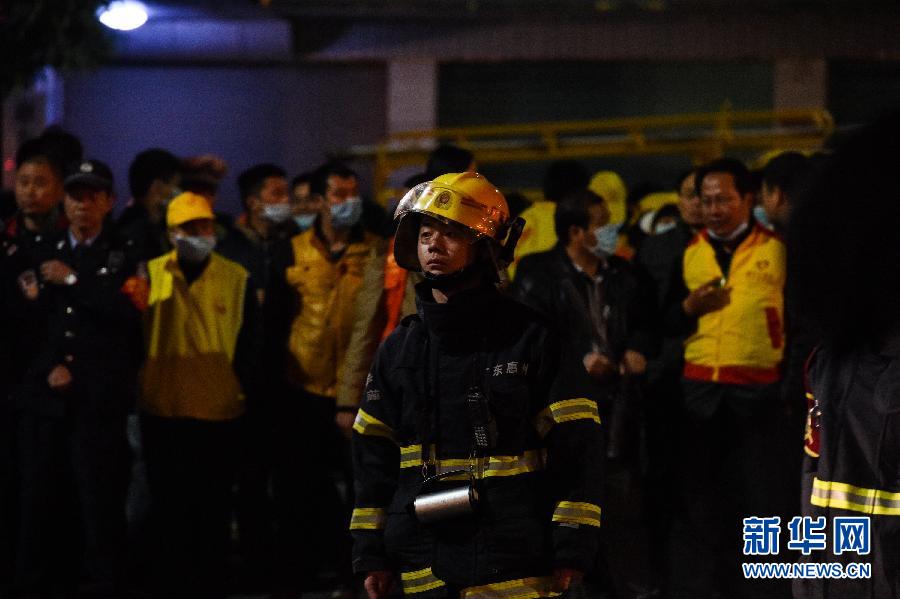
(732, 313)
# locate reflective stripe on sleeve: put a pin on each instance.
(858, 499)
(419, 581)
(366, 424)
(566, 411)
(521, 588)
(367, 518)
(577, 512)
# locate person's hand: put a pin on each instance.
(344, 421)
(563, 578)
(634, 363)
(707, 298)
(54, 271)
(59, 378)
(598, 366)
(378, 584)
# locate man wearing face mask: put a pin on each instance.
(304, 204)
(267, 218)
(732, 312)
(266, 224)
(603, 309)
(312, 302)
(200, 348)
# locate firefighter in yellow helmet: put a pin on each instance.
(474, 454)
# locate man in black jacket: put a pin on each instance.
(74, 397)
(603, 309)
(472, 384)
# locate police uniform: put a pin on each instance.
(16, 245)
(72, 453)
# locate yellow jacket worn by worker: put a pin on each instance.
(192, 334)
(744, 342)
(320, 331)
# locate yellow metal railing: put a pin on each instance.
(701, 136)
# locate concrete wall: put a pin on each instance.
(292, 116)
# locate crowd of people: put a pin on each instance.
(193, 404)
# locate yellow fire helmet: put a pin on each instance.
(465, 199)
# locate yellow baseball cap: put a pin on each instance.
(186, 207)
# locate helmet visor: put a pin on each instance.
(450, 206)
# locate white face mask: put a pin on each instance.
(194, 249)
(762, 217)
(734, 234)
(305, 221)
(347, 213)
(665, 227)
(606, 239)
(277, 213)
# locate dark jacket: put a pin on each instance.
(549, 283)
(18, 250)
(660, 256)
(90, 327)
(149, 239)
(536, 512)
(856, 417)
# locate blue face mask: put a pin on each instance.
(305, 221)
(759, 213)
(606, 239)
(346, 214)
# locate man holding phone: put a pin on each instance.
(734, 273)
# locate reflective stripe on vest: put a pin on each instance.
(857, 499)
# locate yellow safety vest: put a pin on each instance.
(539, 234)
(744, 342)
(191, 333)
(320, 332)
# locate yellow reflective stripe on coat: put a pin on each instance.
(521, 588)
(366, 424)
(858, 499)
(566, 411)
(419, 581)
(577, 512)
(497, 465)
(367, 518)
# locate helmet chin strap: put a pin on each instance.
(446, 282)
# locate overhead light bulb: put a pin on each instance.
(123, 15)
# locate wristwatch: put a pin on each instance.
(71, 279)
